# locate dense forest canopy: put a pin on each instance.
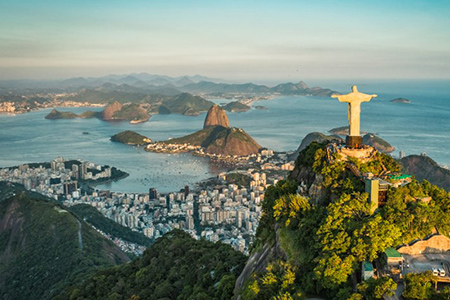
(326, 242)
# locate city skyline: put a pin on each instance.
(238, 41)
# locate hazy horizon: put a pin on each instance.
(241, 41)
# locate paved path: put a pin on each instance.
(80, 239)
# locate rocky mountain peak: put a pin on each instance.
(216, 117)
(110, 109)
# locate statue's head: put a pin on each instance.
(354, 89)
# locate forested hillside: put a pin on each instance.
(175, 267)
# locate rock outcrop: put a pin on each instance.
(313, 137)
(216, 117)
(435, 243)
(110, 110)
(258, 261)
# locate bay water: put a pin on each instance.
(422, 126)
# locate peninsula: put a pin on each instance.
(216, 138)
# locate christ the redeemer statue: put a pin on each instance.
(354, 100)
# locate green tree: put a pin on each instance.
(373, 289)
(419, 286)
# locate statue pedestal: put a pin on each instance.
(353, 141)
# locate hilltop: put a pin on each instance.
(130, 138)
(45, 247)
(175, 267)
(185, 104)
(370, 139)
(423, 167)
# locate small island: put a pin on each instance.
(236, 106)
(130, 138)
(401, 100)
(260, 107)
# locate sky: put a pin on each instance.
(234, 40)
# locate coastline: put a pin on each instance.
(52, 105)
(90, 185)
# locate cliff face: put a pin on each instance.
(216, 117)
(110, 110)
(423, 167)
(258, 261)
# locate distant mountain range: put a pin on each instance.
(143, 83)
(171, 86)
(137, 79)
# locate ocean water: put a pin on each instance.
(422, 126)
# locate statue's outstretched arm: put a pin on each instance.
(341, 98)
(369, 97)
